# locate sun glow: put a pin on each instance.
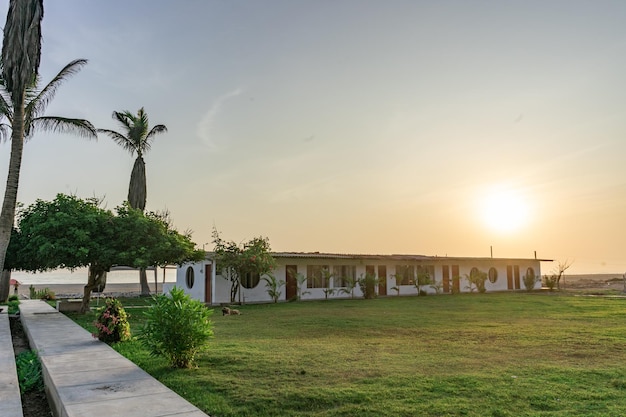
(504, 210)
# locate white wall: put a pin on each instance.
(221, 285)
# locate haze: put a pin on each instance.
(422, 127)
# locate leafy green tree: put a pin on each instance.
(235, 261)
(422, 279)
(21, 104)
(137, 139)
(70, 233)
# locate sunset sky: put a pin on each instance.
(353, 126)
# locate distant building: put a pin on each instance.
(320, 272)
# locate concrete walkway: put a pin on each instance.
(85, 377)
(10, 400)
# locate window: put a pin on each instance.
(426, 274)
(493, 275)
(405, 274)
(250, 279)
(317, 276)
(189, 277)
(342, 274)
(530, 273)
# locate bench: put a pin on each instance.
(69, 305)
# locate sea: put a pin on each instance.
(79, 276)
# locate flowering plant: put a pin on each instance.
(112, 323)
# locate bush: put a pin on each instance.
(29, 371)
(368, 285)
(112, 323)
(13, 306)
(177, 327)
(13, 298)
(45, 294)
(550, 281)
(530, 280)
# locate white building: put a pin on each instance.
(324, 275)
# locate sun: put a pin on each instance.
(504, 209)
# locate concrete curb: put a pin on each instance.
(85, 377)
(10, 399)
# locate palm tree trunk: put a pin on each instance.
(7, 215)
(137, 193)
(143, 280)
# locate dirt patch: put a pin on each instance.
(34, 403)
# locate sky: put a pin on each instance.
(448, 128)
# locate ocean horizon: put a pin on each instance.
(79, 276)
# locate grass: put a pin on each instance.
(504, 354)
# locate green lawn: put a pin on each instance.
(506, 354)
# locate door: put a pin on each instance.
(516, 276)
(509, 277)
(382, 279)
(445, 278)
(456, 279)
(291, 273)
(208, 273)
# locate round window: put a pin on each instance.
(250, 280)
(493, 275)
(189, 277)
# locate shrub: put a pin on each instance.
(177, 327)
(368, 285)
(112, 323)
(29, 371)
(13, 306)
(45, 294)
(273, 286)
(530, 280)
(13, 298)
(550, 281)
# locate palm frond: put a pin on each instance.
(57, 124)
(21, 45)
(5, 132)
(120, 139)
(150, 136)
(6, 107)
(40, 100)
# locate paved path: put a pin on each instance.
(85, 377)
(10, 402)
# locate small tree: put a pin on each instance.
(550, 281)
(273, 286)
(476, 280)
(350, 285)
(368, 284)
(560, 271)
(326, 279)
(177, 327)
(300, 284)
(235, 261)
(422, 279)
(530, 279)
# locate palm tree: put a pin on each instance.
(35, 102)
(21, 55)
(136, 139)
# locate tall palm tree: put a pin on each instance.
(29, 118)
(136, 139)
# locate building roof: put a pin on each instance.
(394, 257)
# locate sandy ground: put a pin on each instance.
(76, 290)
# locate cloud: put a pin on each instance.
(205, 126)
